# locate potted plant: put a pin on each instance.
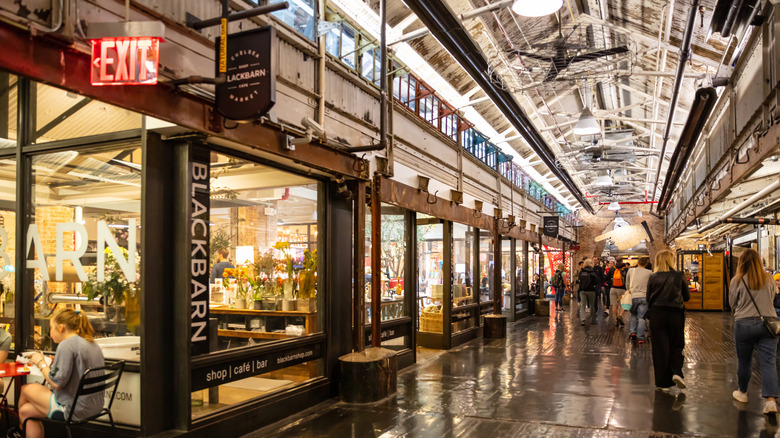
(307, 283)
(242, 287)
(287, 266)
(115, 287)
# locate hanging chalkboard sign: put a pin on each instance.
(250, 89)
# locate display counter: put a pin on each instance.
(262, 324)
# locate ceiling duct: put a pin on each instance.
(703, 104)
(733, 16)
(445, 27)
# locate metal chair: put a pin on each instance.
(90, 384)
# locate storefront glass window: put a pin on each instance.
(506, 273)
(62, 114)
(486, 271)
(263, 253)
(521, 294)
(8, 93)
(430, 270)
(7, 243)
(462, 271)
(300, 16)
(393, 234)
(264, 268)
(85, 235)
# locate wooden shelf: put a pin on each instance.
(231, 311)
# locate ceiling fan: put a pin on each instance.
(556, 52)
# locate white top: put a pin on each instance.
(636, 281)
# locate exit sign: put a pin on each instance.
(125, 60)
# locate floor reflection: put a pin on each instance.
(552, 377)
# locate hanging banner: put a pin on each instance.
(199, 255)
(550, 226)
(250, 89)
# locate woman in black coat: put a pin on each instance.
(667, 290)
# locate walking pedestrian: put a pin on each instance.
(599, 270)
(751, 295)
(617, 290)
(558, 284)
(636, 281)
(667, 290)
(576, 284)
(588, 280)
(609, 272)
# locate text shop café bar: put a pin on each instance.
(252, 201)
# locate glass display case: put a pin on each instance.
(706, 274)
(463, 300)
(430, 270)
(521, 278)
(486, 264)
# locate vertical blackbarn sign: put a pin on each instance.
(199, 254)
(550, 226)
(250, 87)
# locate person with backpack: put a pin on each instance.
(636, 280)
(617, 290)
(558, 284)
(588, 280)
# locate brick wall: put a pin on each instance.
(594, 225)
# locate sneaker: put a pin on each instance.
(620, 320)
(739, 396)
(770, 407)
(640, 341)
(617, 324)
(14, 432)
(632, 336)
(606, 313)
(666, 390)
(679, 399)
(582, 322)
(678, 380)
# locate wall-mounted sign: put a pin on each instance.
(125, 60)
(250, 89)
(550, 226)
(199, 255)
(229, 371)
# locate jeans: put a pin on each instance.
(638, 311)
(749, 334)
(588, 300)
(558, 296)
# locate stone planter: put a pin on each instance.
(289, 305)
(308, 305)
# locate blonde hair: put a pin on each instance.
(559, 266)
(750, 265)
(664, 261)
(75, 321)
(588, 263)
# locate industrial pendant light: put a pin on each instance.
(587, 124)
(536, 8)
(603, 180)
(613, 206)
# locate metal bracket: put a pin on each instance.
(428, 197)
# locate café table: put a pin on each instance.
(13, 370)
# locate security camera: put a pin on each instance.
(313, 126)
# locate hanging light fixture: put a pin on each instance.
(613, 206)
(587, 124)
(604, 180)
(536, 8)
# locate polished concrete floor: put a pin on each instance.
(553, 378)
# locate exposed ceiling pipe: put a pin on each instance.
(464, 16)
(446, 28)
(685, 51)
(703, 104)
(742, 205)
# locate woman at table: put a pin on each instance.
(76, 353)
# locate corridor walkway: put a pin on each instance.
(551, 377)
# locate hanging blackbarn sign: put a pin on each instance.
(550, 225)
(199, 255)
(250, 89)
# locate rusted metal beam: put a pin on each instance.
(396, 193)
(376, 262)
(359, 271)
(46, 61)
(765, 146)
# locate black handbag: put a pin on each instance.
(771, 323)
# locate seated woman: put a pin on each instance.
(76, 353)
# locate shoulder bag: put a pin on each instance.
(771, 323)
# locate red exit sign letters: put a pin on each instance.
(125, 60)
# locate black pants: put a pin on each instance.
(667, 325)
